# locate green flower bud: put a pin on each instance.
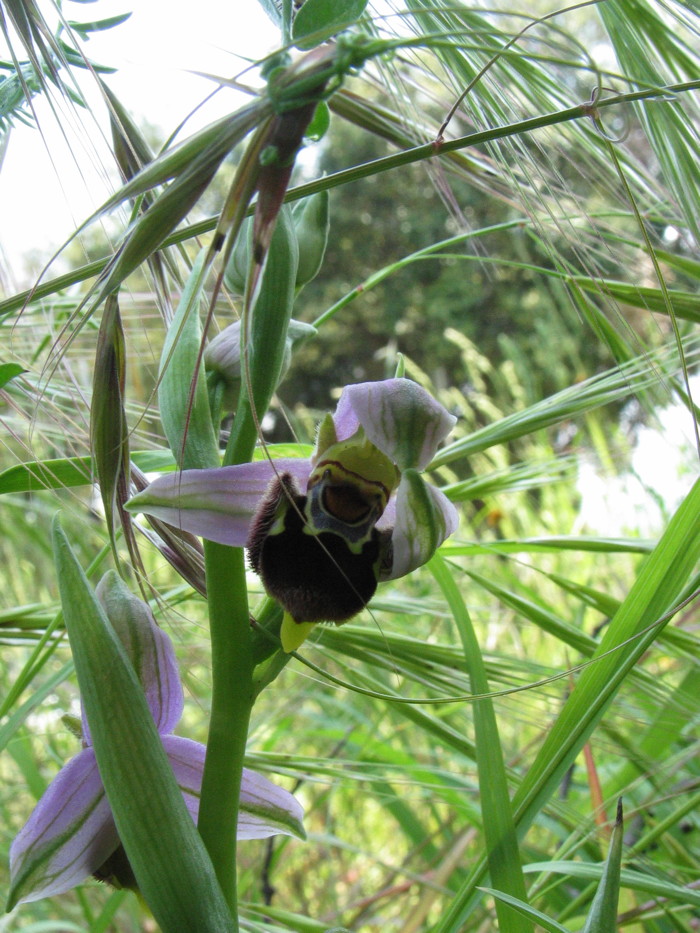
(236, 271)
(311, 222)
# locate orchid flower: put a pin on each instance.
(322, 532)
(71, 833)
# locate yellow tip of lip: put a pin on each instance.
(293, 634)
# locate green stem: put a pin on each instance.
(233, 691)
(232, 701)
(286, 22)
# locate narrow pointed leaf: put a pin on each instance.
(497, 814)
(648, 885)
(71, 471)
(603, 915)
(592, 393)
(629, 634)
(192, 165)
(9, 371)
(545, 922)
(211, 144)
(131, 150)
(98, 25)
(166, 853)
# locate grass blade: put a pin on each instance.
(499, 829)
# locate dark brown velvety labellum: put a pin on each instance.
(314, 575)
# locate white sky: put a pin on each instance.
(42, 198)
(663, 469)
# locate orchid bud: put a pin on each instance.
(311, 222)
(236, 271)
(222, 358)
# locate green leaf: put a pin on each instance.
(633, 628)
(318, 20)
(171, 865)
(64, 472)
(651, 51)
(554, 544)
(497, 815)
(192, 164)
(182, 393)
(629, 634)
(603, 915)
(514, 477)
(99, 25)
(685, 305)
(16, 719)
(546, 922)
(602, 389)
(539, 615)
(47, 474)
(131, 149)
(9, 371)
(634, 880)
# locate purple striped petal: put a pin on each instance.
(69, 835)
(399, 417)
(425, 517)
(216, 504)
(187, 760)
(265, 808)
(149, 648)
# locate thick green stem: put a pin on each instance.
(232, 701)
(233, 691)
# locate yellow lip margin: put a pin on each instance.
(361, 463)
(331, 473)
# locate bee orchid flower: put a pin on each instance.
(323, 532)
(71, 834)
